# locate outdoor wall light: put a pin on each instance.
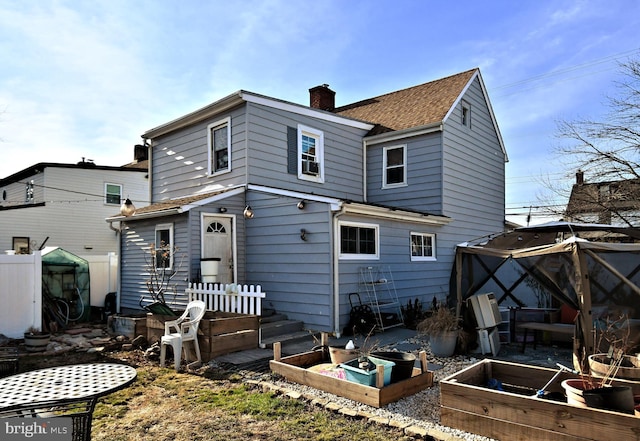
(303, 234)
(223, 209)
(127, 208)
(301, 205)
(248, 212)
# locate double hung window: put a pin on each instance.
(423, 246)
(219, 139)
(310, 154)
(112, 193)
(395, 166)
(163, 248)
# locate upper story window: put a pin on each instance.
(359, 241)
(163, 247)
(112, 193)
(310, 154)
(28, 197)
(394, 171)
(423, 246)
(219, 140)
(466, 114)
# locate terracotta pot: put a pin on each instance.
(574, 387)
(341, 355)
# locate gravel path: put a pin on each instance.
(423, 408)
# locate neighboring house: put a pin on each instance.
(298, 199)
(610, 202)
(65, 205)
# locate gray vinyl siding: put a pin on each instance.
(423, 191)
(135, 248)
(474, 169)
(267, 139)
(295, 274)
(173, 176)
(418, 279)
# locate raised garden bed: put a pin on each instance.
(515, 413)
(219, 333)
(302, 369)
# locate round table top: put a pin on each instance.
(64, 382)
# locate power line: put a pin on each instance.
(568, 69)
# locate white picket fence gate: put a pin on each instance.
(240, 299)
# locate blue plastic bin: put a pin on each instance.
(368, 378)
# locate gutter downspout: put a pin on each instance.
(364, 170)
(119, 251)
(336, 271)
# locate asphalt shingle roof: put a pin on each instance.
(416, 106)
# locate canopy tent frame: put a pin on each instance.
(525, 244)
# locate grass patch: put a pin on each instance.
(163, 405)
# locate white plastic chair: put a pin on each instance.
(186, 330)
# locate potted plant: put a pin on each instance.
(594, 388)
(36, 340)
(442, 327)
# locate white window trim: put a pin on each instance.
(319, 135)
(423, 258)
(211, 169)
(106, 184)
(384, 166)
(171, 245)
(350, 256)
(467, 106)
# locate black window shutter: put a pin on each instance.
(292, 150)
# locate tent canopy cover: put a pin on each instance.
(66, 276)
(593, 268)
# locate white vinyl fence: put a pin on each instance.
(240, 299)
(20, 293)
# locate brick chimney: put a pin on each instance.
(580, 177)
(140, 152)
(323, 98)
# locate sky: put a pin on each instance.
(86, 78)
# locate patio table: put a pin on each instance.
(89, 380)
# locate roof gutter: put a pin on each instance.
(395, 214)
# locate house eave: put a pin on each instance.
(184, 208)
(224, 104)
(395, 214)
(240, 97)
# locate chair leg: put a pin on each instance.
(163, 353)
(177, 354)
(197, 349)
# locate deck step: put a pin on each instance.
(272, 318)
(280, 327)
(290, 338)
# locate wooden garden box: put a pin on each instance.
(515, 414)
(295, 368)
(219, 332)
